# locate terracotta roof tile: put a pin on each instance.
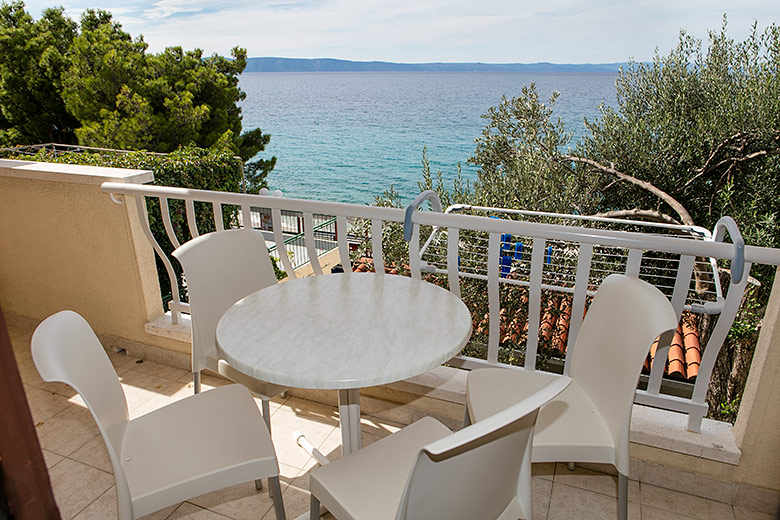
(676, 359)
(690, 333)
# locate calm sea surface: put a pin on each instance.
(348, 136)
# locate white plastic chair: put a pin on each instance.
(590, 420)
(221, 268)
(425, 471)
(193, 446)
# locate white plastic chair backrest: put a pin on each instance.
(481, 471)
(625, 317)
(65, 349)
(220, 268)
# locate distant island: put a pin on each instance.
(334, 65)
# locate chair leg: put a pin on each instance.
(266, 406)
(622, 497)
(314, 510)
(267, 418)
(275, 490)
(196, 382)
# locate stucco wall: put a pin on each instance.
(757, 430)
(66, 245)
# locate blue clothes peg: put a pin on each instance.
(505, 266)
(506, 243)
(519, 251)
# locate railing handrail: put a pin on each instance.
(625, 239)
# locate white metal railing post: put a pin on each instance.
(494, 303)
(581, 282)
(534, 302)
(453, 260)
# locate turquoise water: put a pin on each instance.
(348, 136)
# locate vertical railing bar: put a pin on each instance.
(246, 216)
(192, 222)
(376, 246)
(276, 220)
(718, 336)
(414, 252)
(311, 247)
(453, 268)
(534, 302)
(165, 211)
(584, 259)
(341, 229)
(219, 222)
(143, 216)
(634, 262)
(494, 301)
(680, 293)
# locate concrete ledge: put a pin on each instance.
(165, 328)
(667, 430)
(72, 173)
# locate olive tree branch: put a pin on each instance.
(671, 201)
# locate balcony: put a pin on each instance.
(66, 245)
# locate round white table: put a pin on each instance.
(345, 332)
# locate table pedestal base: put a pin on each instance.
(349, 418)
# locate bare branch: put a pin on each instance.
(740, 136)
(671, 201)
(749, 157)
(706, 166)
(647, 214)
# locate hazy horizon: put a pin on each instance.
(409, 31)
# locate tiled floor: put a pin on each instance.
(84, 486)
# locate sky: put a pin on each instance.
(418, 31)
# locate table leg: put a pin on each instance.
(349, 413)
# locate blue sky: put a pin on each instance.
(494, 31)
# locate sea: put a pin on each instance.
(348, 136)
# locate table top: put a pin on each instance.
(342, 331)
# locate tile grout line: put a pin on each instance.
(96, 498)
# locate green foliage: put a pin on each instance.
(516, 156)
(703, 125)
(280, 273)
(727, 411)
(33, 56)
(95, 84)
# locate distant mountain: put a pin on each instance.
(334, 65)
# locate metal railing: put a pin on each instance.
(578, 260)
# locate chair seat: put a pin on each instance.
(491, 390)
(369, 483)
(179, 432)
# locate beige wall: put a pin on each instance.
(66, 245)
(757, 430)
